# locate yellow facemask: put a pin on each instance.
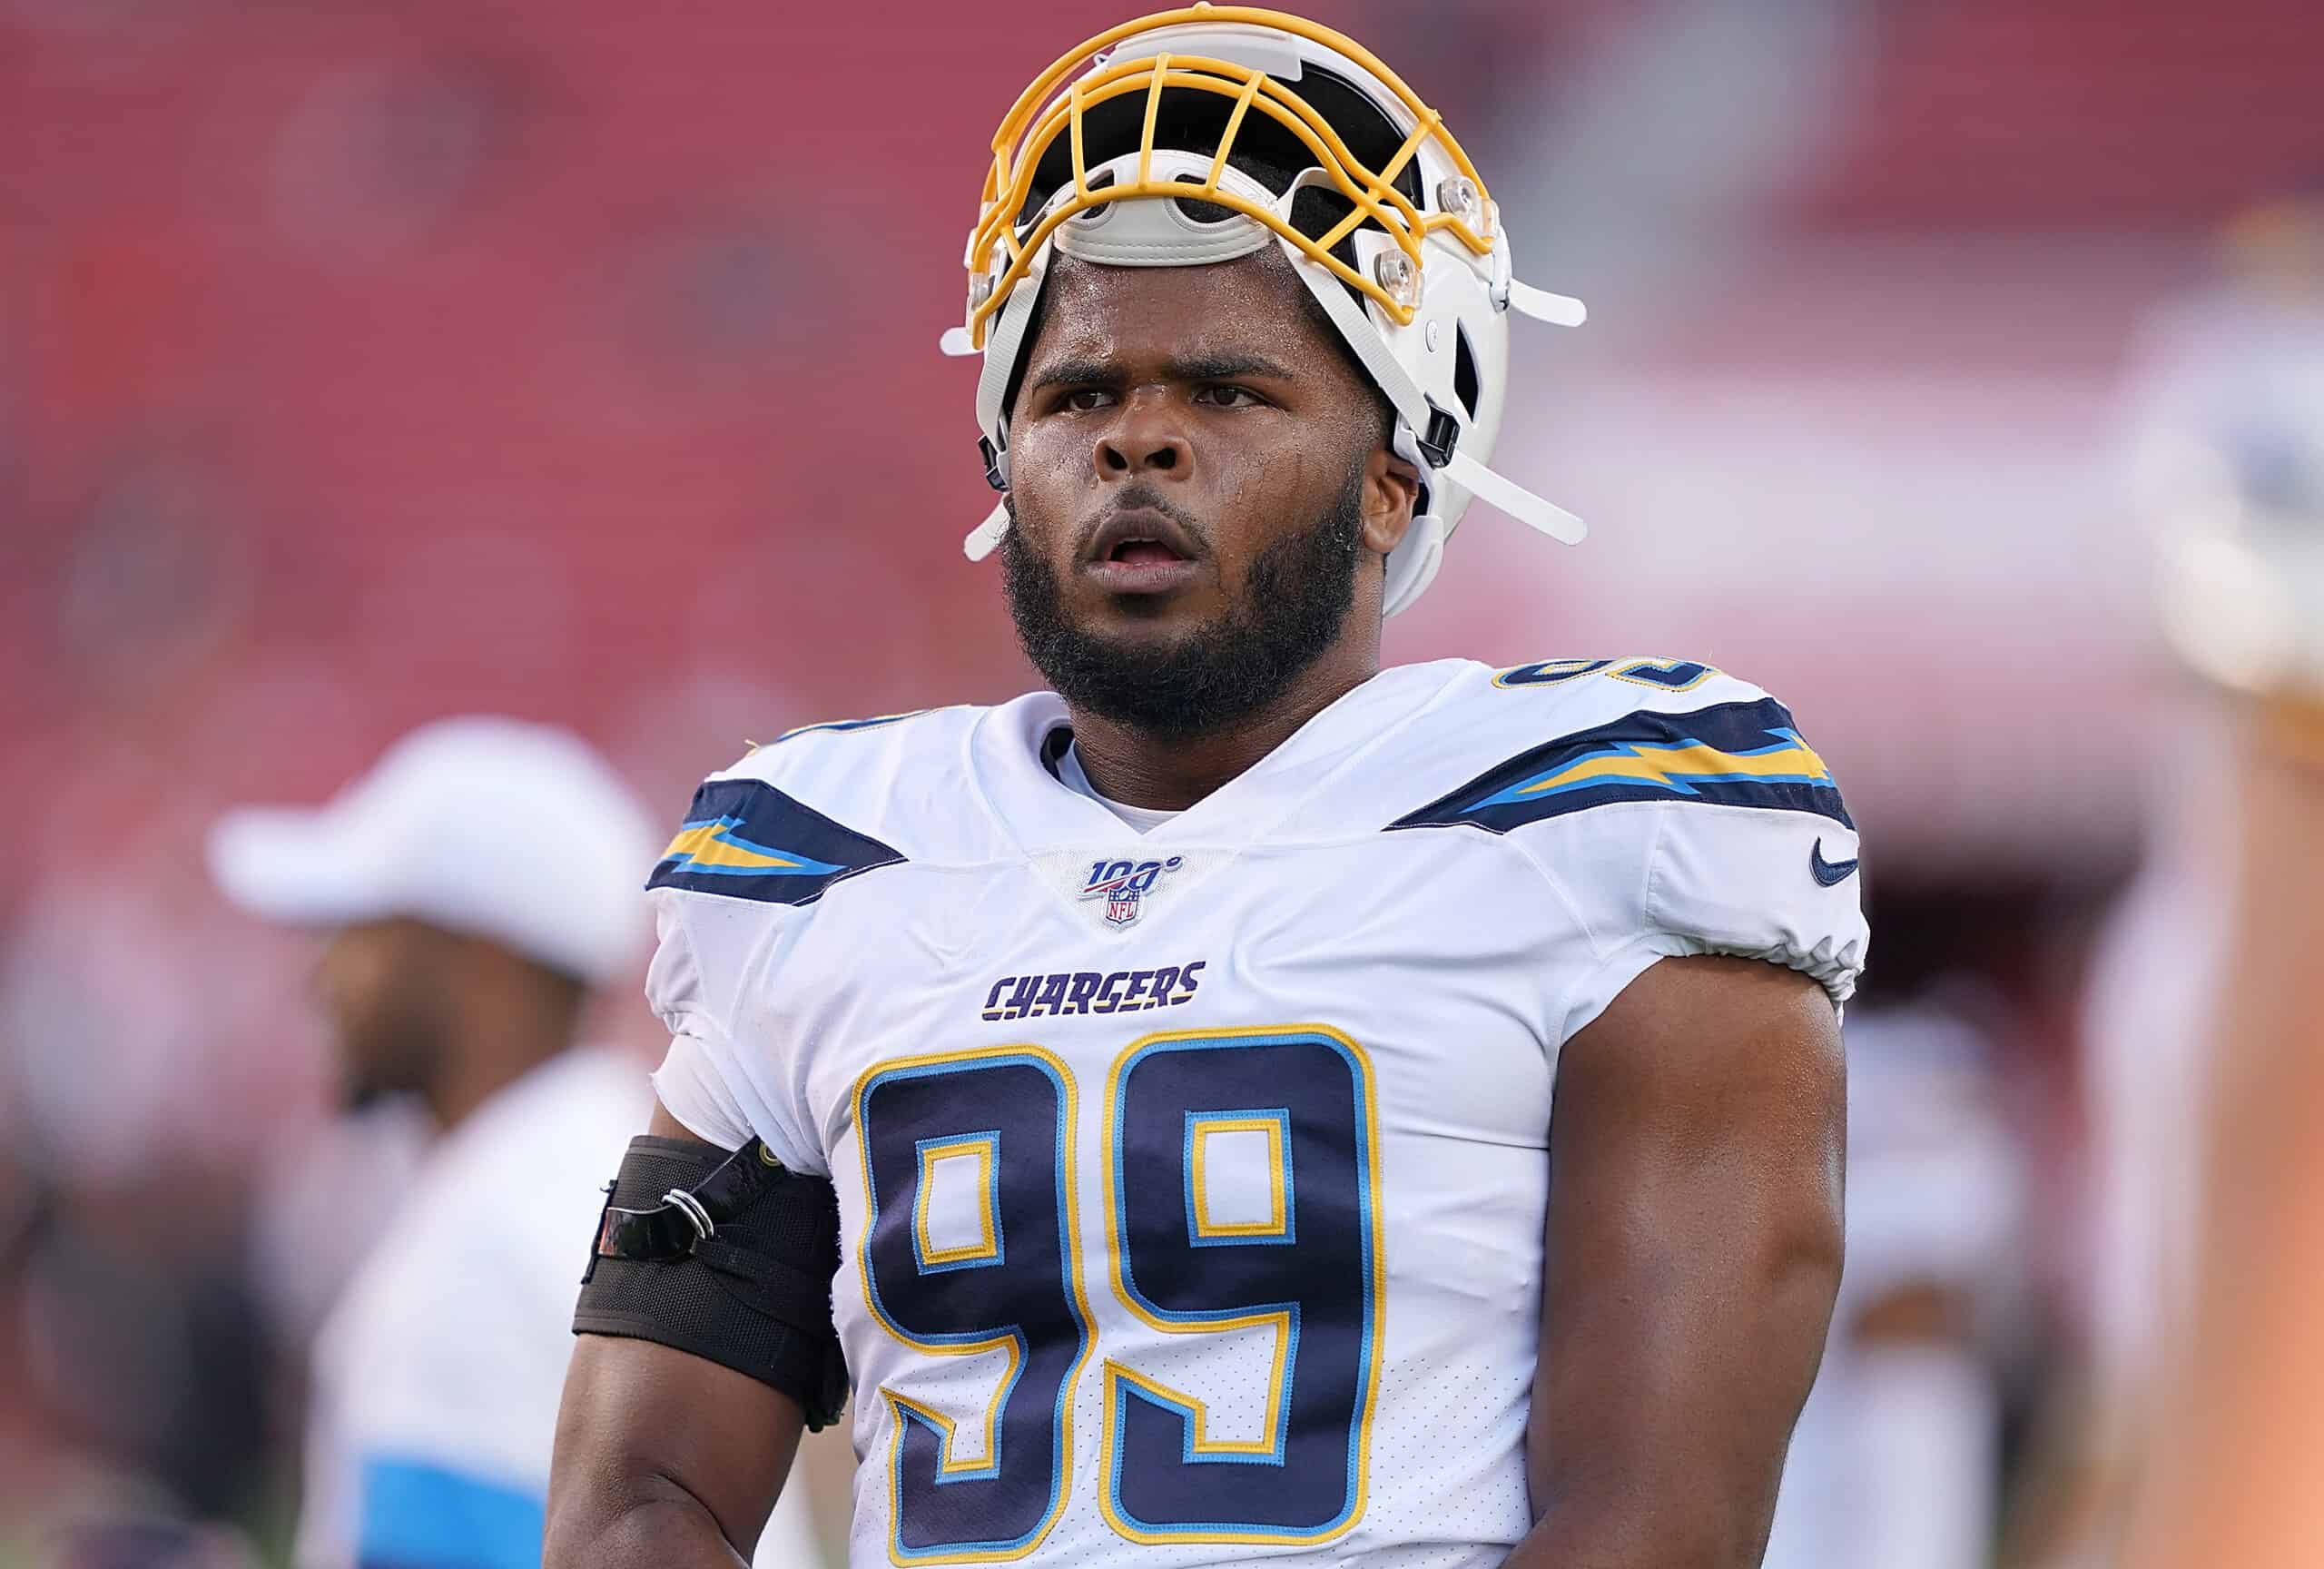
(999, 257)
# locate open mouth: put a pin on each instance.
(1142, 552)
(1140, 539)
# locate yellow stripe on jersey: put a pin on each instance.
(712, 844)
(1793, 762)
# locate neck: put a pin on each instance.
(1171, 772)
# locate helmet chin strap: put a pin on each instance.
(986, 536)
(1412, 565)
(1556, 310)
(1505, 495)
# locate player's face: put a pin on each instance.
(383, 984)
(1202, 493)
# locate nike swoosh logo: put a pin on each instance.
(1830, 874)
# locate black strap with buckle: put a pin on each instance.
(687, 1218)
(1443, 434)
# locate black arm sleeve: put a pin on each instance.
(751, 1293)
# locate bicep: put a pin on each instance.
(1693, 1235)
(645, 1425)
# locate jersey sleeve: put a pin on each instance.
(1684, 824)
(699, 986)
(696, 1079)
(733, 894)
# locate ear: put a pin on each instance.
(1391, 492)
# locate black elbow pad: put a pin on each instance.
(728, 1257)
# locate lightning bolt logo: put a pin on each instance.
(711, 846)
(1789, 761)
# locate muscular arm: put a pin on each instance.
(663, 1460)
(1693, 1252)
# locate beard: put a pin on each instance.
(1295, 602)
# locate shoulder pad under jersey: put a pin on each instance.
(1680, 810)
(823, 804)
(1543, 740)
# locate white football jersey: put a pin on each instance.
(1192, 1183)
(437, 1378)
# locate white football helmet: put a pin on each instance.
(1100, 156)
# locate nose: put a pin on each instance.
(1145, 441)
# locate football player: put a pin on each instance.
(1165, 1061)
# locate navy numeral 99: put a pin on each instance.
(1239, 1171)
(1014, 1287)
(1300, 1257)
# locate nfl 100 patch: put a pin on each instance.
(1125, 884)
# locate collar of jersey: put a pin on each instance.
(1042, 814)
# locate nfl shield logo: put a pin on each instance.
(1123, 884)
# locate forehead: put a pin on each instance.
(1252, 301)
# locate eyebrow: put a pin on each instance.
(1222, 367)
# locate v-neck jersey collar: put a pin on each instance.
(1042, 814)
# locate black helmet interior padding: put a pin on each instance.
(1193, 121)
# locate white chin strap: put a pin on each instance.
(1556, 310)
(986, 536)
(1153, 232)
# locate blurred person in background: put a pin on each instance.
(1897, 1463)
(476, 886)
(2185, 1009)
(2235, 1444)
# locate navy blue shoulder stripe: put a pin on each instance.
(746, 839)
(1732, 754)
